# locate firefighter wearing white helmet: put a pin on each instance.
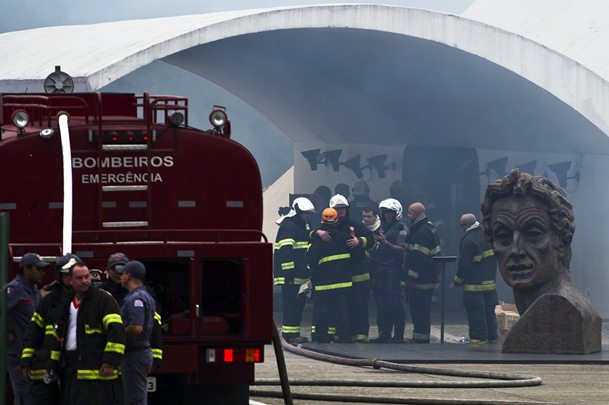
(387, 283)
(290, 267)
(360, 237)
(393, 205)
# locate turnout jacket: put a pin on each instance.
(100, 334)
(477, 266)
(118, 292)
(41, 351)
(422, 243)
(331, 261)
(289, 253)
(384, 259)
(360, 269)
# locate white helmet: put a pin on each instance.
(299, 205)
(303, 204)
(393, 205)
(338, 201)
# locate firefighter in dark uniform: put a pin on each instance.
(330, 263)
(360, 238)
(22, 299)
(476, 272)
(93, 340)
(113, 277)
(138, 318)
(422, 243)
(113, 390)
(40, 356)
(290, 268)
(387, 280)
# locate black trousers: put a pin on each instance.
(420, 311)
(331, 308)
(480, 308)
(43, 394)
(389, 297)
(293, 305)
(358, 309)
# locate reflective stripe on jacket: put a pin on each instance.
(289, 252)
(422, 243)
(477, 265)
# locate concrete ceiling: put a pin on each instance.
(348, 74)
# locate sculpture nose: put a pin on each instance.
(516, 250)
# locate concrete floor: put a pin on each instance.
(563, 382)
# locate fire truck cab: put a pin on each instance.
(185, 202)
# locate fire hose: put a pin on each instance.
(493, 380)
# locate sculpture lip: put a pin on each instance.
(519, 270)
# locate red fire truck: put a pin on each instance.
(186, 202)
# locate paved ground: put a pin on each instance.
(562, 383)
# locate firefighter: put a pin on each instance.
(22, 298)
(422, 243)
(476, 272)
(289, 265)
(40, 356)
(330, 263)
(138, 312)
(113, 277)
(113, 390)
(387, 258)
(361, 238)
(361, 199)
(93, 339)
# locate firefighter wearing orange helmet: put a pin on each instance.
(330, 263)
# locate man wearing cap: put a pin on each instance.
(41, 352)
(22, 299)
(93, 339)
(138, 317)
(113, 391)
(113, 277)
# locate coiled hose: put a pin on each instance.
(498, 380)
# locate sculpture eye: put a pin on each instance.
(534, 232)
(503, 235)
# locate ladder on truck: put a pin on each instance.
(155, 111)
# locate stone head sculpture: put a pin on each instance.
(530, 225)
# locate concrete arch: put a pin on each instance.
(99, 54)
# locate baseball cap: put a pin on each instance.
(117, 259)
(135, 268)
(32, 259)
(67, 261)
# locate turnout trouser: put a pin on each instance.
(389, 297)
(480, 308)
(420, 311)
(293, 305)
(331, 308)
(44, 394)
(358, 309)
(75, 391)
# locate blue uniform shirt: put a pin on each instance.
(138, 309)
(21, 302)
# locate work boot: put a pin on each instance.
(381, 339)
(297, 340)
(398, 334)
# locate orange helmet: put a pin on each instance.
(329, 216)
